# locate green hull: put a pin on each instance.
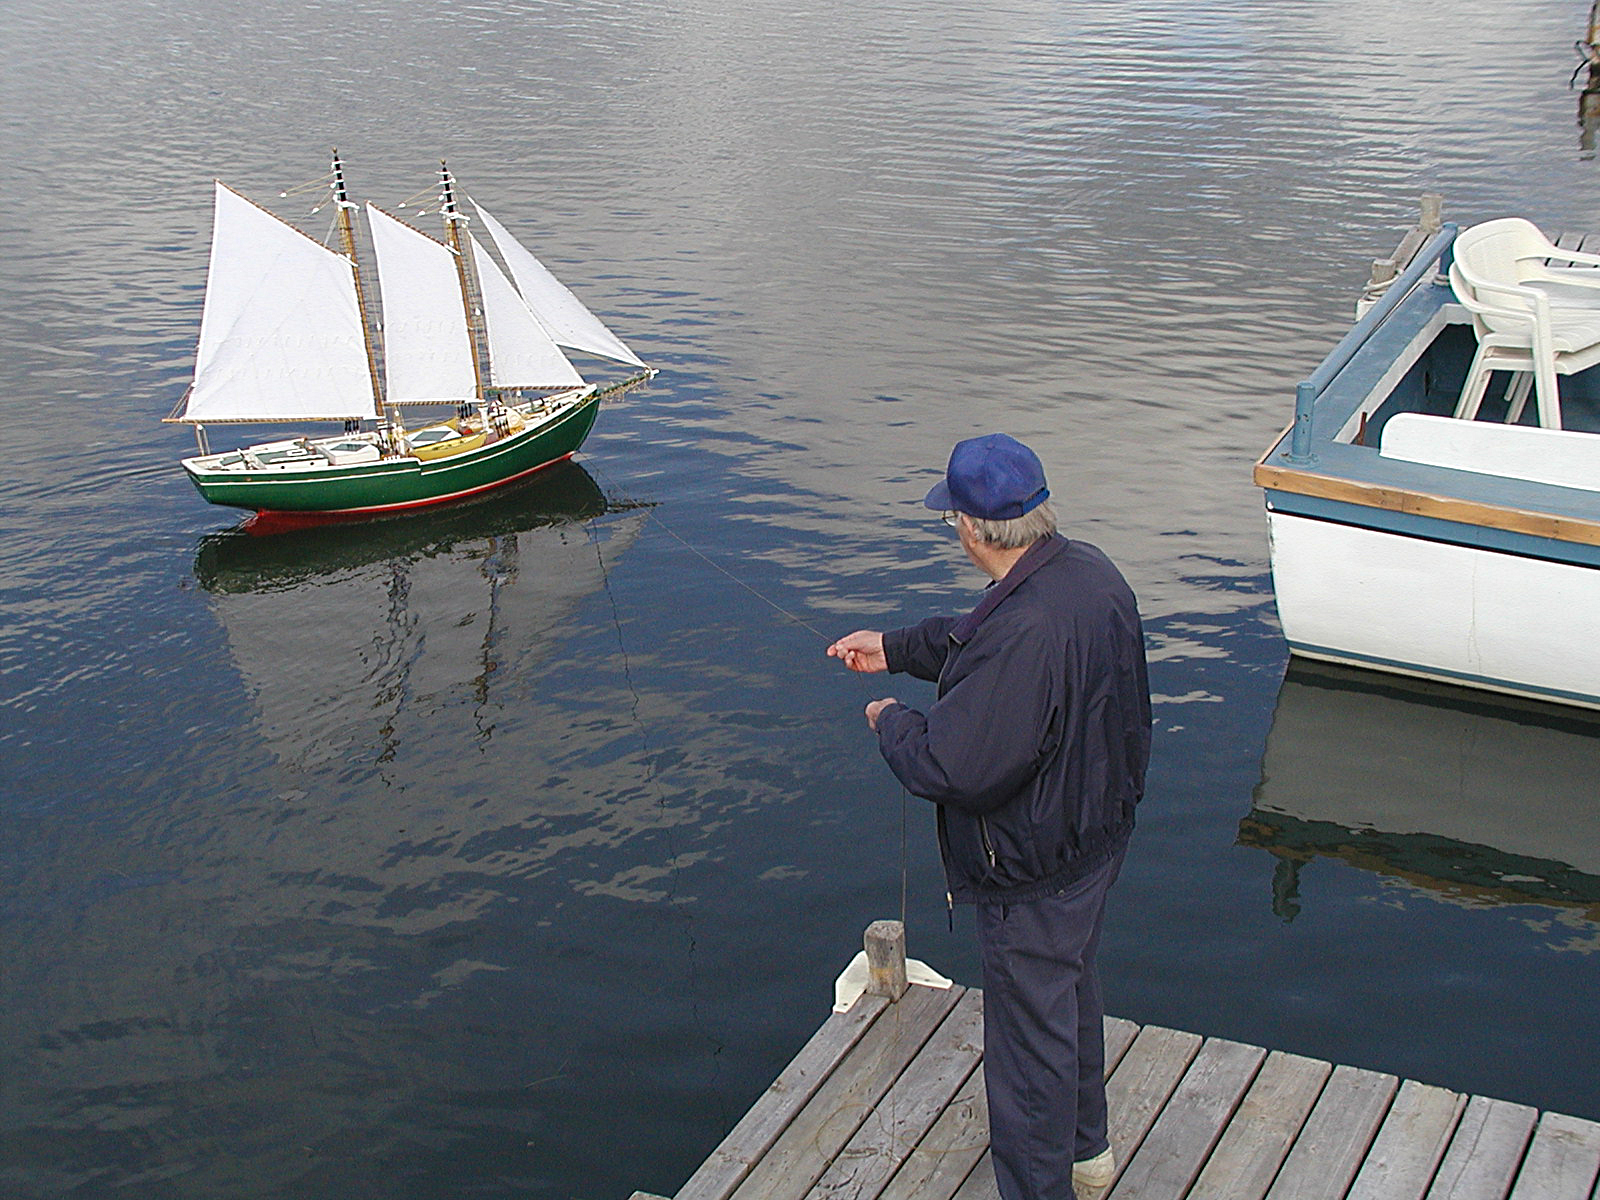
(399, 483)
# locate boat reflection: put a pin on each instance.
(239, 560)
(349, 638)
(1466, 799)
(425, 733)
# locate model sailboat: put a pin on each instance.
(285, 335)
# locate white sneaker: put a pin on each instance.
(1096, 1172)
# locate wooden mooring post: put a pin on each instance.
(1386, 270)
(886, 1102)
(1590, 52)
(885, 943)
(1589, 100)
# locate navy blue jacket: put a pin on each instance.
(1035, 750)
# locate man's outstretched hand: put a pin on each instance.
(861, 651)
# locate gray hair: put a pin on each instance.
(1038, 522)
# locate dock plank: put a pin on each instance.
(1138, 1089)
(1485, 1152)
(1410, 1143)
(943, 1160)
(1262, 1130)
(905, 1115)
(1119, 1035)
(1584, 243)
(1563, 1163)
(1192, 1121)
(1334, 1141)
(887, 1102)
(731, 1161)
(807, 1145)
(947, 1157)
(981, 1184)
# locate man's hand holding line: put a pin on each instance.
(861, 651)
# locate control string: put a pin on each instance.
(650, 512)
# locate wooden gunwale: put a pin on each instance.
(1387, 497)
(1423, 504)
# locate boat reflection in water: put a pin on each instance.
(341, 632)
(1480, 801)
(239, 561)
(313, 919)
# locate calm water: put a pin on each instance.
(511, 850)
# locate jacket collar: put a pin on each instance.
(1036, 556)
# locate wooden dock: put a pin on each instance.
(886, 1102)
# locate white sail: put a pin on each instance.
(521, 353)
(280, 334)
(426, 353)
(563, 314)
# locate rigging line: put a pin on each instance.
(649, 511)
(652, 781)
(905, 796)
(709, 561)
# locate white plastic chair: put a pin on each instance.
(1530, 317)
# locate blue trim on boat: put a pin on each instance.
(1368, 329)
(1433, 529)
(1444, 675)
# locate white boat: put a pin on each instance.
(286, 335)
(1424, 517)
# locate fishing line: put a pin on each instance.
(905, 795)
(716, 566)
(652, 781)
(650, 512)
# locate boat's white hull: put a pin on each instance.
(1489, 619)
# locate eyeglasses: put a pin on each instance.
(949, 518)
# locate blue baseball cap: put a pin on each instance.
(993, 477)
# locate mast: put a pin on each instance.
(453, 220)
(347, 234)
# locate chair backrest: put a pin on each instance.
(1509, 250)
(1494, 311)
(1506, 253)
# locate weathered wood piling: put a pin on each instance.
(1386, 270)
(886, 1102)
(1589, 98)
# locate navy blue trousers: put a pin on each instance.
(1043, 1035)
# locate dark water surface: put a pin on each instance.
(510, 850)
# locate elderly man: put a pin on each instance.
(1034, 755)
